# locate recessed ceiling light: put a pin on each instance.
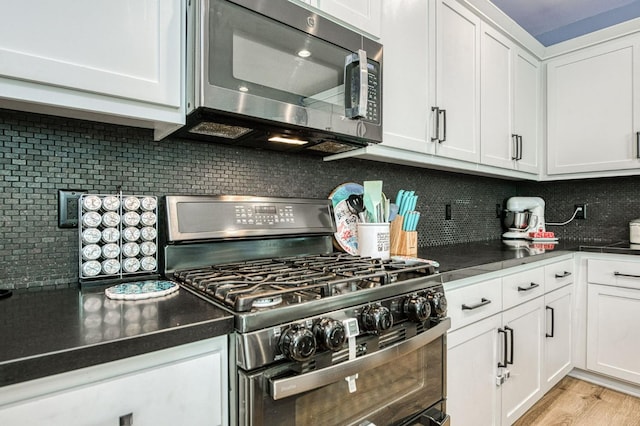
(304, 53)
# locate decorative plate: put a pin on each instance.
(346, 236)
(141, 290)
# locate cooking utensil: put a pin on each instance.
(373, 190)
(356, 205)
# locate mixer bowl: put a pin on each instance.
(516, 220)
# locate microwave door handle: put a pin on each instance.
(364, 83)
(291, 386)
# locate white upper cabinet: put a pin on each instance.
(118, 57)
(593, 109)
(527, 110)
(405, 82)
(510, 108)
(456, 110)
(363, 15)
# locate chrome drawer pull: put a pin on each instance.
(563, 275)
(619, 274)
(531, 287)
(483, 302)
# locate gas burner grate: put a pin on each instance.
(269, 283)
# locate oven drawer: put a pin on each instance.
(469, 304)
(521, 287)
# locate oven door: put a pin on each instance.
(399, 385)
(285, 64)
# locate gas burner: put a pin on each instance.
(267, 302)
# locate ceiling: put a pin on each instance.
(554, 21)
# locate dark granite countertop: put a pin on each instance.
(53, 331)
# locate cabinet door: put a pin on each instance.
(472, 364)
(119, 48)
(405, 75)
(496, 146)
(193, 389)
(593, 108)
(363, 15)
(558, 335)
(527, 110)
(458, 81)
(613, 331)
(523, 388)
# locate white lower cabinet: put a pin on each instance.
(183, 385)
(472, 359)
(613, 321)
(558, 333)
(505, 347)
(523, 326)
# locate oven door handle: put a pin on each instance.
(290, 386)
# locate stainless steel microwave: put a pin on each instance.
(275, 75)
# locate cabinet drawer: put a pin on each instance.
(614, 272)
(475, 302)
(523, 286)
(558, 275)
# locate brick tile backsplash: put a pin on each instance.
(40, 154)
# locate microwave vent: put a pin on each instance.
(220, 130)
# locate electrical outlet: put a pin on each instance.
(447, 212)
(582, 214)
(68, 207)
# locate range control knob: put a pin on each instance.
(376, 318)
(438, 303)
(330, 334)
(297, 343)
(417, 308)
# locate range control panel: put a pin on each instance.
(264, 214)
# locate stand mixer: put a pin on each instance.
(524, 220)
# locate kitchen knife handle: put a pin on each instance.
(553, 325)
(436, 115)
(483, 302)
(514, 139)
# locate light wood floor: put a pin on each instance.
(577, 403)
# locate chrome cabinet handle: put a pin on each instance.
(514, 139)
(563, 275)
(637, 144)
(553, 321)
(519, 147)
(437, 127)
(503, 364)
(620, 274)
(444, 119)
(483, 302)
(531, 287)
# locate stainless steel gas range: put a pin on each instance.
(321, 338)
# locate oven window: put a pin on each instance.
(390, 394)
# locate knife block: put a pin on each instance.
(403, 243)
